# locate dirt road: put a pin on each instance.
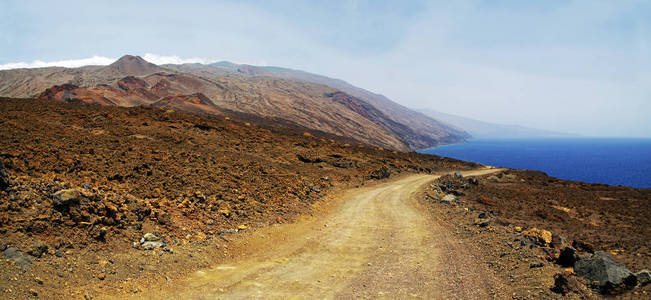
(376, 243)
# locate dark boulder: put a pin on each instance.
(457, 193)
(482, 222)
(308, 159)
(602, 270)
(116, 177)
(380, 173)
(568, 257)
(38, 250)
(4, 177)
(99, 233)
(643, 277)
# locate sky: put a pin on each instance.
(572, 66)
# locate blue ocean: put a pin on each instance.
(624, 162)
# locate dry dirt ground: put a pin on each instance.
(197, 182)
(592, 217)
(259, 209)
(376, 243)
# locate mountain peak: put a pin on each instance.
(130, 59)
(131, 65)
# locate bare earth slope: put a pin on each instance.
(219, 193)
(430, 132)
(376, 244)
(197, 181)
(132, 81)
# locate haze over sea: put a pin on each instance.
(614, 161)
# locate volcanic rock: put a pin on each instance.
(603, 270)
(448, 199)
(13, 254)
(150, 241)
(482, 222)
(65, 197)
(567, 257)
(4, 177)
(150, 237)
(99, 233)
(38, 250)
(308, 159)
(541, 236)
(643, 277)
(380, 173)
(457, 193)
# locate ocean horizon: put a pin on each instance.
(612, 161)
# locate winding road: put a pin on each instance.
(377, 242)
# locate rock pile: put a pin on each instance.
(150, 241)
(597, 269)
(450, 187)
(526, 197)
(380, 173)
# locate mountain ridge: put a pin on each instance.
(488, 130)
(421, 124)
(132, 81)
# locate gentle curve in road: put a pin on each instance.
(376, 243)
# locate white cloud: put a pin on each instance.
(162, 59)
(72, 63)
(102, 61)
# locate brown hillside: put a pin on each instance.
(131, 81)
(191, 178)
(428, 131)
(196, 103)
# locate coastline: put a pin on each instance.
(577, 159)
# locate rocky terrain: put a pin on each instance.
(314, 102)
(98, 199)
(552, 238)
(107, 197)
